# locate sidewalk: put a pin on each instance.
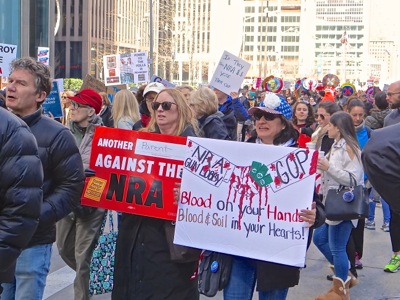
(375, 284)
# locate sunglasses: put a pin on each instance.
(164, 105)
(263, 114)
(63, 97)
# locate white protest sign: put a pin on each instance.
(140, 69)
(43, 55)
(230, 73)
(112, 71)
(246, 205)
(7, 54)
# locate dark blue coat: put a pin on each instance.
(63, 174)
(21, 180)
(213, 127)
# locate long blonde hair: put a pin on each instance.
(185, 113)
(125, 105)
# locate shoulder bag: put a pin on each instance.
(347, 203)
(102, 264)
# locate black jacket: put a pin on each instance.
(143, 268)
(105, 115)
(213, 127)
(21, 180)
(381, 157)
(63, 174)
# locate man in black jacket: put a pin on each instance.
(21, 180)
(28, 85)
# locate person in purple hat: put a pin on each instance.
(78, 232)
(272, 127)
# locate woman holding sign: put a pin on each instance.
(145, 264)
(272, 127)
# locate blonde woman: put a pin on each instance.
(65, 104)
(125, 110)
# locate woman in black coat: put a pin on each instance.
(145, 265)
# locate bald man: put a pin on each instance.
(393, 98)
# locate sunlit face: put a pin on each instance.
(66, 101)
(22, 98)
(333, 132)
(357, 114)
(323, 117)
(268, 130)
(166, 119)
(301, 112)
(393, 95)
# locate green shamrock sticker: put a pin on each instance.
(259, 172)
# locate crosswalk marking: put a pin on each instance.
(58, 280)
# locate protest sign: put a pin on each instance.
(140, 68)
(112, 70)
(166, 83)
(246, 205)
(7, 54)
(90, 82)
(230, 73)
(135, 172)
(125, 68)
(43, 55)
(52, 103)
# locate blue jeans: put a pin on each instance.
(332, 240)
(243, 280)
(385, 211)
(30, 274)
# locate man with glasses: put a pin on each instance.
(393, 98)
(28, 85)
(78, 232)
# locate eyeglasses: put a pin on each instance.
(166, 105)
(263, 114)
(391, 94)
(76, 105)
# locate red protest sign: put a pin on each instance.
(135, 172)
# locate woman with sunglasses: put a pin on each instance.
(144, 268)
(65, 105)
(343, 161)
(320, 135)
(272, 127)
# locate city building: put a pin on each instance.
(14, 17)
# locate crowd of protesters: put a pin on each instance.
(41, 205)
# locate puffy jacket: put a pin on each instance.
(21, 179)
(63, 174)
(375, 120)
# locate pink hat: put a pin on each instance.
(88, 97)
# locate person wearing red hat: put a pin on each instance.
(78, 232)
